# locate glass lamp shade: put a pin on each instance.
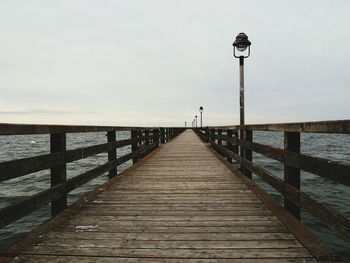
(241, 48)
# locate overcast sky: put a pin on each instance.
(155, 62)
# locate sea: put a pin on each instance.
(332, 146)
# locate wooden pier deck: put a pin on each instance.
(180, 204)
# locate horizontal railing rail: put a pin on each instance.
(294, 161)
(326, 168)
(21, 129)
(143, 140)
(339, 126)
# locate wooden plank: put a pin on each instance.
(187, 202)
(106, 259)
(185, 191)
(204, 214)
(173, 253)
(169, 236)
(176, 207)
(174, 196)
(167, 244)
(182, 217)
(106, 222)
(175, 229)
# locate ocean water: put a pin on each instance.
(332, 146)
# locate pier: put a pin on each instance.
(188, 197)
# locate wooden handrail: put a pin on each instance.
(326, 168)
(21, 129)
(145, 139)
(293, 160)
(339, 126)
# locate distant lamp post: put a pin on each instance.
(242, 44)
(201, 111)
(185, 124)
(196, 120)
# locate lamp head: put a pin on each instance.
(201, 109)
(241, 43)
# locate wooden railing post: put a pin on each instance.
(156, 135)
(207, 134)
(248, 153)
(112, 154)
(219, 133)
(229, 145)
(162, 135)
(235, 146)
(134, 145)
(59, 172)
(143, 142)
(291, 174)
(212, 132)
(147, 140)
(241, 148)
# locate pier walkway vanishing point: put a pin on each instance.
(181, 203)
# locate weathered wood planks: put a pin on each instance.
(180, 205)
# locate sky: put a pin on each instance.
(155, 62)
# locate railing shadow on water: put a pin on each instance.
(296, 167)
(62, 164)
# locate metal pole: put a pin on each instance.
(201, 119)
(241, 105)
(196, 121)
(241, 89)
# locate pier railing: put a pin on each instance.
(142, 141)
(294, 199)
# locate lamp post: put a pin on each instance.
(196, 120)
(201, 111)
(241, 44)
(185, 124)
